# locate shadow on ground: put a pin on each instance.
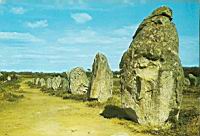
(111, 111)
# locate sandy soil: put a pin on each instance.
(38, 114)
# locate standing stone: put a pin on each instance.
(102, 79)
(42, 82)
(186, 82)
(49, 83)
(65, 85)
(9, 78)
(193, 80)
(78, 81)
(151, 72)
(37, 81)
(56, 82)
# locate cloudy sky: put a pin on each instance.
(57, 35)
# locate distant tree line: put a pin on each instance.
(192, 70)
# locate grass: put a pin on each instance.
(115, 101)
(43, 115)
(10, 90)
(188, 124)
(77, 97)
(11, 97)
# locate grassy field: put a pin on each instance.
(38, 114)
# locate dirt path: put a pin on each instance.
(38, 114)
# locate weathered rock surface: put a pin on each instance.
(151, 72)
(78, 81)
(42, 82)
(65, 84)
(193, 80)
(56, 82)
(49, 83)
(102, 79)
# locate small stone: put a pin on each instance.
(9, 78)
(193, 80)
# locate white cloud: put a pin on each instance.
(20, 37)
(126, 30)
(84, 37)
(38, 24)
(18, 10)
(91, 37)
(81, 17)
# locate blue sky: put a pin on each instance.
(57, 35)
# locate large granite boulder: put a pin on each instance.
(78, 81)
(102, 79)
(151, 72)
(42, 82)
(193, 80)
(56, 82)
(49, 83)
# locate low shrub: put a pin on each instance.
(31, 84)
(78, 97)
(115, 101)
(11, 97)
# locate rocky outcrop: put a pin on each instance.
(56, 82)
(151, 72)
(78, 81)
(102, 79)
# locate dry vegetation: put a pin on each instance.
(107, 117)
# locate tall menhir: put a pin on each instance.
(151, 71)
